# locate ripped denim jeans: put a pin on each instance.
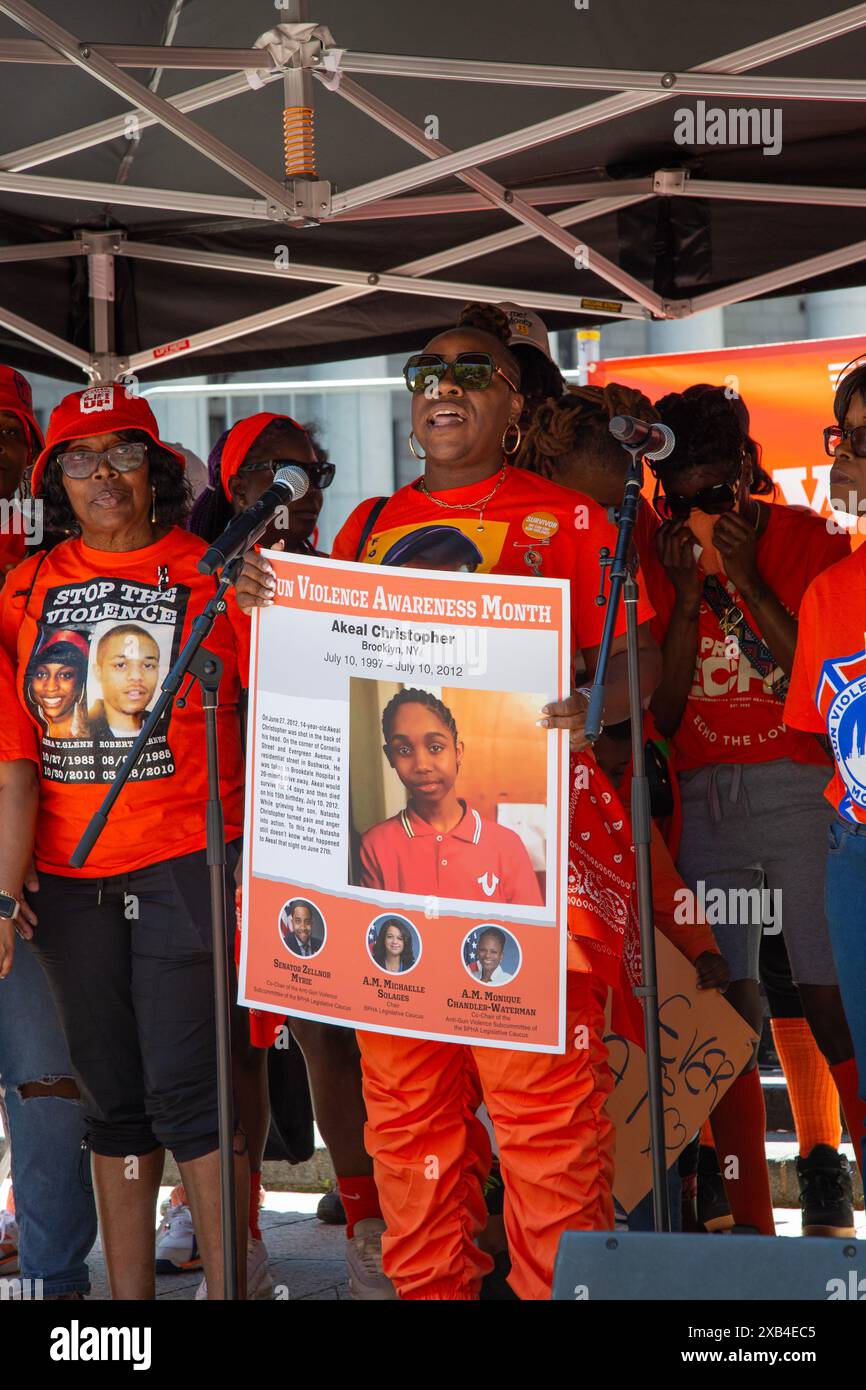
(54, 1204)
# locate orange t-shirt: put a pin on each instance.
(17, 739)
(731, 714)
(530, 526)
(827, 693)
(92, 635)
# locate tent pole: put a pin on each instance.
(583, 257)
(395, 284)
(35, 333)
(46, 186)
(86, 137)
(99, 247)
(425, 265)
(90, 60)
(599, 112)
(777, 279)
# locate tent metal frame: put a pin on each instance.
(288, 204)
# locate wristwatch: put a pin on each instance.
(9, 907)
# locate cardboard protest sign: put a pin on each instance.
(405, 864)
(704, 1046)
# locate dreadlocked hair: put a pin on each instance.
(709, 425)
(487, 319)
(172, 496)
(577, 422)
(412, 696)
(540, 380)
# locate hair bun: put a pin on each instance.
(487, 318)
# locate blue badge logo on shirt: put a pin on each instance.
(841, 698)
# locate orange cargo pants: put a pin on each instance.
(431, 1153)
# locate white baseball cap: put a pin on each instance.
(526, 327)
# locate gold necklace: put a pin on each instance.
(467, 506)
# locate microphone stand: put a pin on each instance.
(205, 667)
(624, 585)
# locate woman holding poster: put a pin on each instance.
(126, 939)
(548, 1110)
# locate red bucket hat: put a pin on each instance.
(17, 398)
(98, 410)
(241, 438)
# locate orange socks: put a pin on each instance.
(813, 1092)
(739, 1124)
(854, 1109)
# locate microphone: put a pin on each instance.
(657, 441)
(290, 483)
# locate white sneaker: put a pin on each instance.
(367, 1279)
(176, 1246)
(259, 1283)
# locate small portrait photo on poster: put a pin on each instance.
(491, 955)
(393, 943)
(302, 927)
(448, 793)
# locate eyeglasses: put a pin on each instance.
(714, 501)
(321, 475)
(834, 435)
(472, 371)
(83, 463)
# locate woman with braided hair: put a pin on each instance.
(548, 1111)
(439, 846)
(570, 442)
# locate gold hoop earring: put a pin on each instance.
(153, 505)
(419, 457)
(517, 443)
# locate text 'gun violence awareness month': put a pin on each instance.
(430, 876)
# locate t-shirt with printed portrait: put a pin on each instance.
(92, 635)
(529, 526)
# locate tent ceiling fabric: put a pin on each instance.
(677, 247)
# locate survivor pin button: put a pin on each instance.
(540, 526)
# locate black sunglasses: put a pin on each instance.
(321, 475)
(714, 501)
(471, 371)
(834, 435)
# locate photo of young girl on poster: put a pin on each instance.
(439, 845)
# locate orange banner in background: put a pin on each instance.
(787, 387)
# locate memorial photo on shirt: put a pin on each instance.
(302, 927)
(101, 654)
(448, 793)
